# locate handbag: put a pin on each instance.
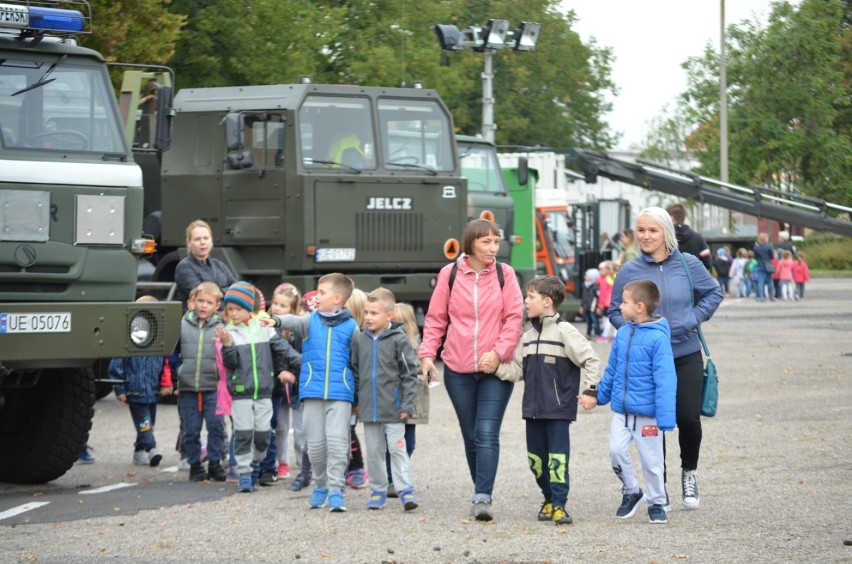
(710, 391)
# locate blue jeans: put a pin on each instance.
(480, 402)
(144, 418)
(764, 282)
(193, 413)
(593, 324)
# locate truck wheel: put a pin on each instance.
(43, 428)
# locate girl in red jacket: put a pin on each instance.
(801, 274)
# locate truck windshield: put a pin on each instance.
(480, 167)
(72, 111)
(416, 134)
(337, 132)
(563, 235)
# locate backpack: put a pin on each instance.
(455, 270)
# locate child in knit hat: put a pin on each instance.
(254, 355)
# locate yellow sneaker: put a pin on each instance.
(561, 517)
(546, 511)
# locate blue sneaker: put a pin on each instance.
(629, 504)
(377, 500)
(318, 497)
(336, 503)
(409, 502)
(357, 479)
(656, 514)
(85, 456)
(245, 485)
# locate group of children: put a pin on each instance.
(791, 273)
(324, 365)
(596, 298)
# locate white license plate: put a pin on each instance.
(335, 255)
(35, 322)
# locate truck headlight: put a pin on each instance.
(140, 330)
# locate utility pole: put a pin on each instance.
(723, 106)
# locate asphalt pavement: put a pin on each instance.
(774, 478)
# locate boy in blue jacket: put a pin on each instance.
(640, 381)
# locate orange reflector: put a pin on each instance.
(516, 239)
(451, 249)
(487, 215)
(150, 246)
(311, 250)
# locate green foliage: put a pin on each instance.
(789, 101)
(826, 252)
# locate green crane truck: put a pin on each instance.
(70, 239)
(299, 180)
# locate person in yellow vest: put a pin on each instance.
(346, 150)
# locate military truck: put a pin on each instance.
(299, 180)
(70, 239)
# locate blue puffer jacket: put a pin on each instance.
(675, 304)
(640, 377)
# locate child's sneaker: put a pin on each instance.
(318, 497)
(656, 514)
(357, 479)
(140, 458)
(183, 465)
(336, 503)
(377, 500)
(232, 477)
(300, 483)
(267, 478)
(409, 501)
(283, 470)
(216, 472)
(85, 456)
(154, 457)
(245, 485)
(629, 504)
(546, 511)
(392, 491)
(561, 517)
(197, 473)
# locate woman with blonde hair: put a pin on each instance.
(198, 266)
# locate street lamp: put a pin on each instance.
(487, 39)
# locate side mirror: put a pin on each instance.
(165, 115)
(234, 134)
(523, 171)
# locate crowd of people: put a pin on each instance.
(321, 362)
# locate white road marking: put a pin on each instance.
(22, 509)
(169, 469)
(117, 486)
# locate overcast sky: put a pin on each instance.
(650, 40)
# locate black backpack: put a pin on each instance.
(455, 270)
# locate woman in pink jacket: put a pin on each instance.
(478, 316)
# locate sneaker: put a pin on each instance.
(299, 484)
(561, 517)
(283, 470)
(245, 484)
(482, 510)
(392, 491)
(656, 514)
(546, 511)
(377, 501)
(232, 477)
(357, 479)
(183, 465)
(336, 503)
(409, 501)
(140, 458)
(154, 457)
(216, 472)
(85, 456)
(197, 473)
(267, 478)
(689, 479)
(318, 498)
(629, 504)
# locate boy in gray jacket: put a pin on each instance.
(385, 369)
(253, 356)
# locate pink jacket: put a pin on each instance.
(785, 269)
(801, 272)
(223, 397)
(476, 316)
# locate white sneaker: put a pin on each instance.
(140, 458)
(689, 480)
(183, 465)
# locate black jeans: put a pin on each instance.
(690, 384)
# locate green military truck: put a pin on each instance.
(70, 238)
(299, 180)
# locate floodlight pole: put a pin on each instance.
(488, 125)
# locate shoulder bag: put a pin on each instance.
(710, 392)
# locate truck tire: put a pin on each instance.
(43, 428)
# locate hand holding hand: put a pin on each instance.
(489, 362)
(587, 402)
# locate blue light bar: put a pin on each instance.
(39, 18)
(55, 19)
